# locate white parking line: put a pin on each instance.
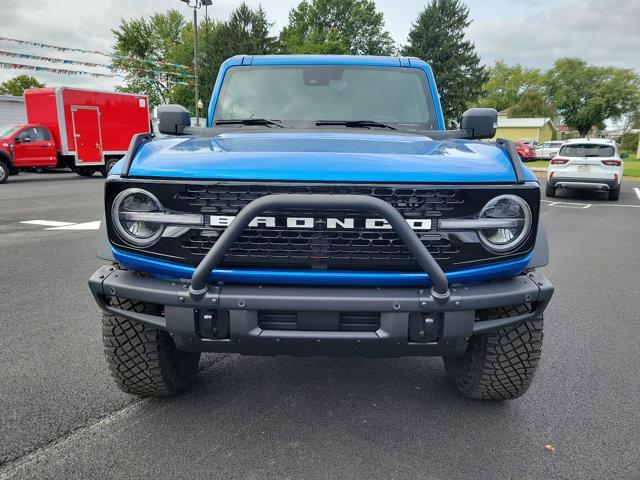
(637, 190)
(78, 226)
(570, 205)
(47, 223)
(581, 205)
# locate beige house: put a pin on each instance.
(537, 129)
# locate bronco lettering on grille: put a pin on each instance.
(419, 224)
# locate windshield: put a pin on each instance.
(8, 130)
(299, 96)
(587, 150)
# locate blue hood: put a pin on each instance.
(323, 156)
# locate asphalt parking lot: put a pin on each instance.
(253, 417)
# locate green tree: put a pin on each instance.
(245, 32)
(533, 103)
(168, 37)
(438, 37)
(155, 38)
(506, 84)
(17, 85)
(336, 26)
(588, 95)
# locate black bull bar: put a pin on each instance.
(440, 286)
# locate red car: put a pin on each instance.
(527, 153)
(85, 130)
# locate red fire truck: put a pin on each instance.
(85, 130)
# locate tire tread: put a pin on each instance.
(498, 365)
(142, 360)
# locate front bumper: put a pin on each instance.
(448, 323)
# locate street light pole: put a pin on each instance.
(195, 60)
(196, 5)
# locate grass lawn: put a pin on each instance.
(631, 165)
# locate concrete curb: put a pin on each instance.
(538, 169)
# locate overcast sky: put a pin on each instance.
(531, 32)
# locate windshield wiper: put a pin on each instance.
(249, 121)
(356, 123)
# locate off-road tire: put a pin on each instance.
(4, 172)
(498, 365)
(550, 191)
(615, 194)
(144, 361)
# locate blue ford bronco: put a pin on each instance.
(323, 210)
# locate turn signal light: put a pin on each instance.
(558, 161)
(612, 163)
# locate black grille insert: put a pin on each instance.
(319, 321)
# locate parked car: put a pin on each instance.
(84, 130)
(526, 152)
(548, 149)
(587, 164)
(322, 218)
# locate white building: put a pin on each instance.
(12, 110)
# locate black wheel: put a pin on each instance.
(4, 172)
(108, 166)
(85, 171)
(615, 194)
(498, 365)
(550, 191)
(144, 361)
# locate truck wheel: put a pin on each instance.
(550, 191)
(144, 361)
(108, 166)
(4, 172)
(615, 194)
(85, 171)
(498, 365)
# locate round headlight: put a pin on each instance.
(128, 214)
(517, 215)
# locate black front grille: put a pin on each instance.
(321, 248)
(412, 202)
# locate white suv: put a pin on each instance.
(588, 164)
(548, 149)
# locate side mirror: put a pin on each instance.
(624, 155)
(480, 123)
(172, 119)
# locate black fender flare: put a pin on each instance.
(6, 158)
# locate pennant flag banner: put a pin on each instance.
(97, 52)
(64, 71)
(87, 64)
